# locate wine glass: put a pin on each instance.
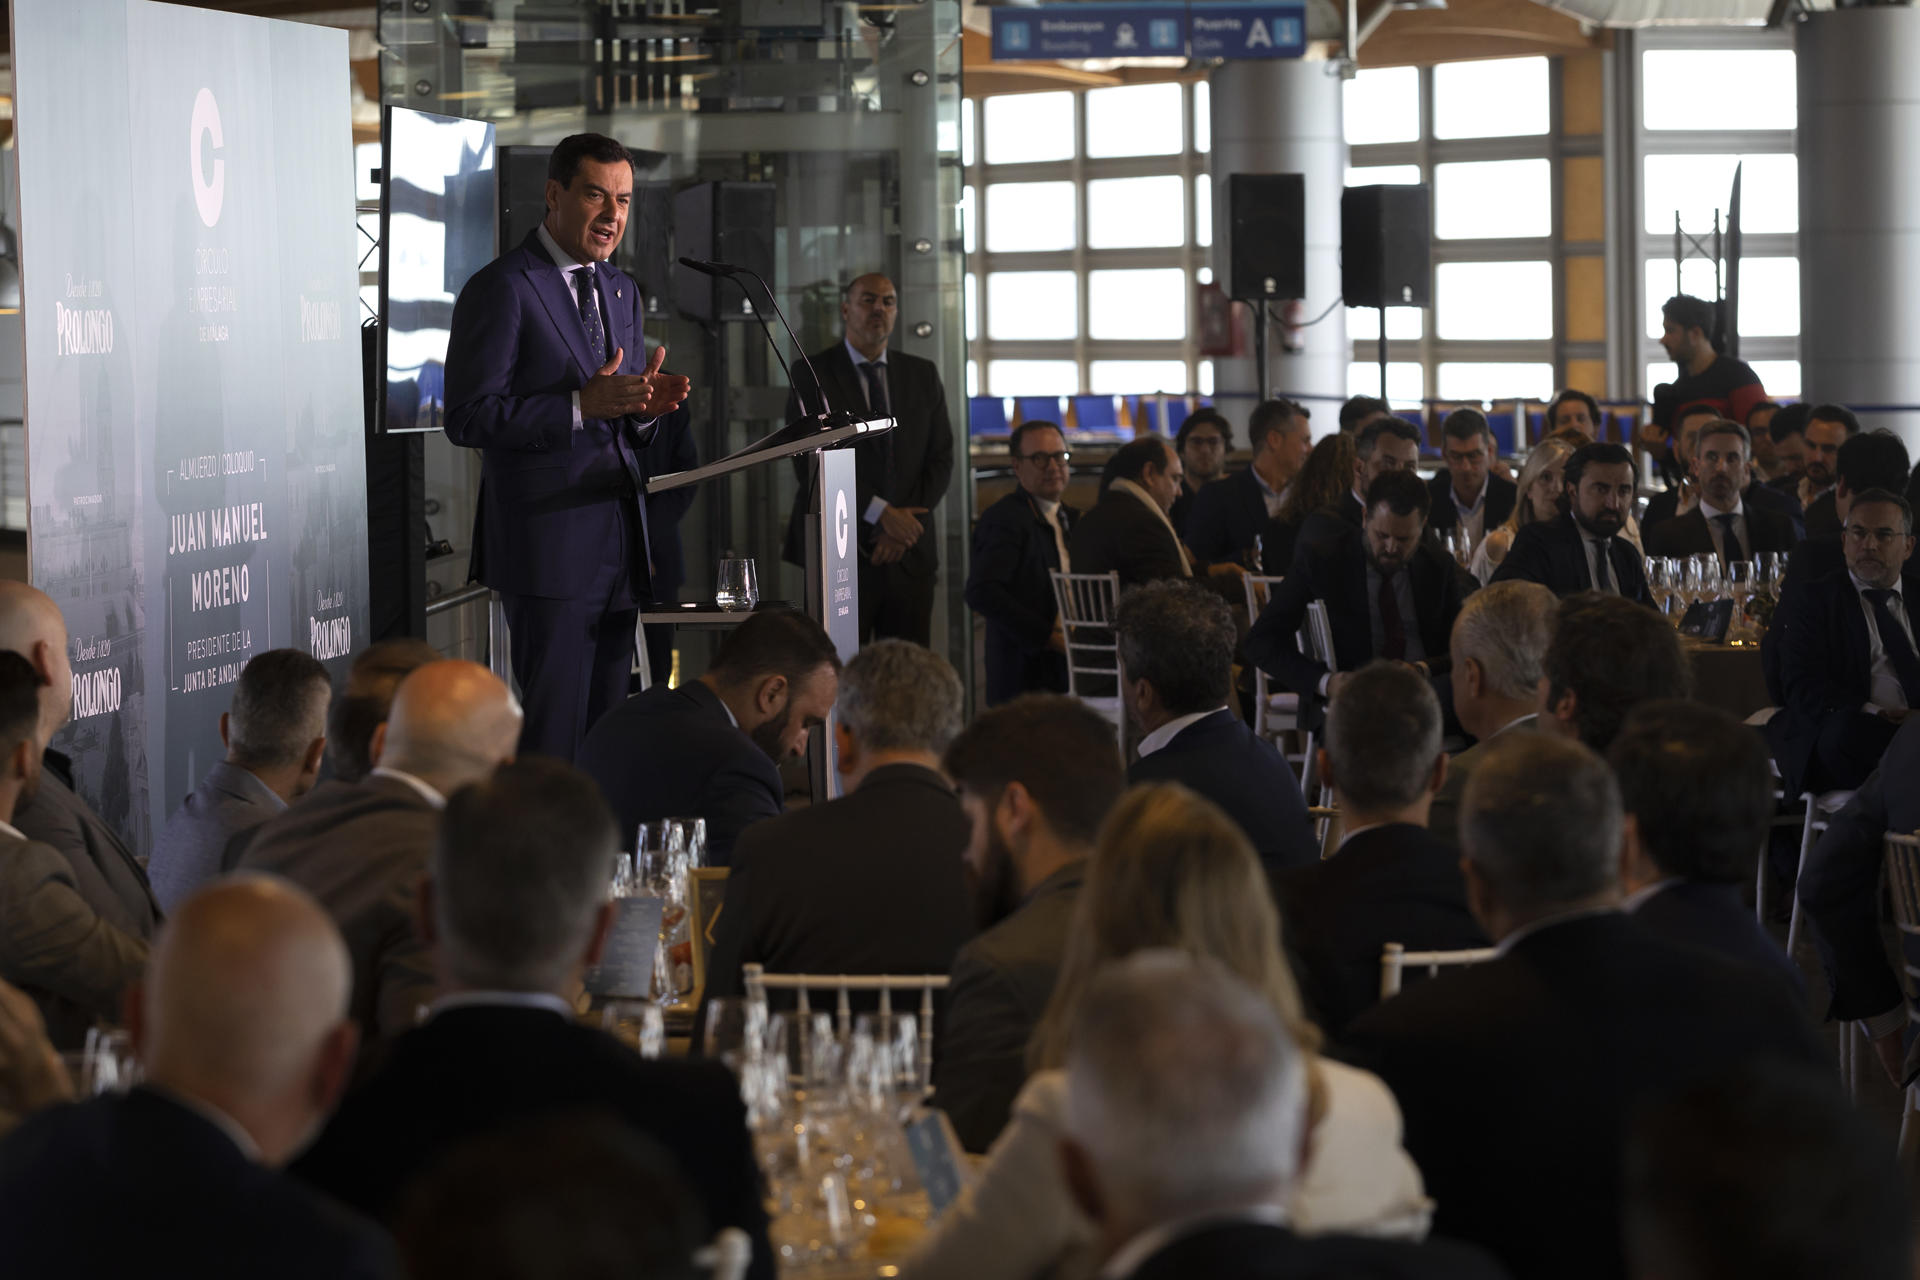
(1660, 583)
(638, 1023)
(735, 1031)
(738, 587)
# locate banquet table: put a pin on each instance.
(1728, 677)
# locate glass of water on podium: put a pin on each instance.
(739, 586)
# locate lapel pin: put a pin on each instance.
(617, 295)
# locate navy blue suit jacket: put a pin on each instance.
(1226, 517)
(1550, 553)
(1228, 763)
(1712, 916)
(1009, 586)
(675, 753)
(550, 496)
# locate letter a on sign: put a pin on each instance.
(1257, 36)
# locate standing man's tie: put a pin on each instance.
(880, 406)
(590, 315)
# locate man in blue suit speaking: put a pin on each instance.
(547, 375)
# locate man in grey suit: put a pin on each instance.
(103, 869)
(275, 735)
(1499, 647)
(53, 946)
(361, 848)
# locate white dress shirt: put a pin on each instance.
(1887, 691)
(7, 828)
(501, 999)
(1274, 498)
(1171, 729)
(1739, 514)
(1473, 516)
(1050, 512)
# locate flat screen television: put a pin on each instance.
(438, 205)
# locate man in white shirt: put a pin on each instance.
(1467, 496)
(1018, 543)
(1721, 522)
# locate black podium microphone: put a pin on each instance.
(727, 271)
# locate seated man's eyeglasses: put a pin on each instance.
(1047, 459)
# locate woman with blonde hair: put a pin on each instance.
(1171, 870)
(1538, 501)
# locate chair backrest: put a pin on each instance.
(1087, 602)
(758, 982)
(1040, 409)
(1903, 887)
(986, 416)
(1395, 959)
(1319, 634)
(1096, 413)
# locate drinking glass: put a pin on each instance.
(638, 1023)
(738, 587)
(661, 845)
(883, 1062)
(736, 1029)
(622, 884)
(1660, 583)
(693, 839)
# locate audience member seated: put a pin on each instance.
(1389, 593)
(1018, 543)
(1389, 880)
(1517, 1076)
(1574, 411)
(1499, 653)
(1036, 778)
(74, 965)
(1730, 386)
(1847, 662)
(1583, 550)
(1764, 1172)
(1538, 496)
(712, 747)
(31, 1073)
(1789, 431)
(1828, 428)
(1323, 482)
(1721, 522)
(515, 907)
(1383, 445)
(1203, 441)
(1676, 467)
(1228, 516)
(275, 736)
(1606, 658)
(1170, 871)
(360, 848)
(1466, 495)
(363, 704)
(105, 872)
(1128, 531)
(1759, 420)
(872, 882)
(1699, 803)
(1176, 647)
(243, 1030)
(1185, 1120)
(552, 1199)
(1357, 413)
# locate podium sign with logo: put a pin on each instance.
(833, 582)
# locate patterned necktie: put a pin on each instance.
(590, 315)
(1893, 638)
(1729, 540)
(1602, 567)
(876, 379)
(1393, 631)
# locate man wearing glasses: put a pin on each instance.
(1017, 543)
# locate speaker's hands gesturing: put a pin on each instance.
(611, 394)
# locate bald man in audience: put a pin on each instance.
(243, 1030)
(105, 871)
(363, 704)
(361, 847)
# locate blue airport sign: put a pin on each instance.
(1231, 29)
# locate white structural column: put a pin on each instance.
(1284, 116)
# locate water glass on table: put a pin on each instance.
(738, 586)
(638, 1023)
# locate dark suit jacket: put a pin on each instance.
(1257, 1251)
(1824, 665)
(1009, 586)
(870, 883)
(1689, 535)
(1501, 494)
(910, 466)
(1002, 981)
(1228, 763)
(1713, 916)
(1318, 527)
(1335, 571)
(104, 870)
(1549, 552)
(1811, 559)
(1443, 815)
(75, 965)
(517, 354)
(1823, 517)
(471, 1070)
(360, 848)
(182, 1199)
(675, 753)
(1517, 1077)
(1227, 516)
(207, 833)
(671, 448)
(1782, 502)
(1387, 884)
(1121, 536)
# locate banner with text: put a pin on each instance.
(195, 430)
(1205, 29)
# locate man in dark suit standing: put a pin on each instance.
(671, 449)
(1517, 1077)
(872, 882)
(548, 376)
(1466, 493)
(1176, 647)
(1018, 543)
(900, 475)
(1848, 664)
(516, 907)
(1229, 514)
(712, 747)
(1389, 594)
(1721, 523)
(242, 1027)
(1583, 549)
(1389, 880)
(1128, 531)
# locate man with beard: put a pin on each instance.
(1721, 523)
(1829, 427)
(1389, 593)
(1730, 386)
(1582, 550)
(710, 748)
(1037, 778)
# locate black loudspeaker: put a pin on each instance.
(729, 222)
(1386, 234)
(1268, 231)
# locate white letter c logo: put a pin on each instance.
(207, 195)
